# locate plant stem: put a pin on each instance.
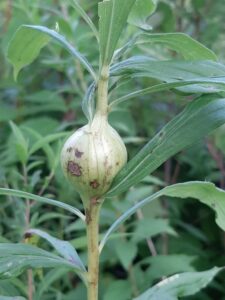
(93, 206)
(92, 220)
(27, 222)
(102, 101)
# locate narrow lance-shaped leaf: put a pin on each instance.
(205, 192)
(173, 71)
(15, 258)
(45, 140)
(85, 16)
(88, 102)
(29, 40)
(21, 194)
(206, 113)
(217, 84)
(182, 43)
(113, 16)
(20, 143)
(48, 280)
(42, 143)
(180, 285)
(64, 248)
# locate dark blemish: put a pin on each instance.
(74, 168)
(161, 134)
(88, 216)
(94, 201)
(78, 153)
(117, 163)
(69, 149)
(94, 184)
(27, 235)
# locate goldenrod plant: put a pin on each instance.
(94, 158)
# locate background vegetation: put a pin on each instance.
(170, 236)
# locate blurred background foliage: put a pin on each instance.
(169, 236)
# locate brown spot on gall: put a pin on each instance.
(74, 168)
(69, 149)
(78, 153)
(117, 163)
(94, 184)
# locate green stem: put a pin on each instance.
(93, 206)
(92, 220)
(102, 100)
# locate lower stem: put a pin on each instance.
(92, 220)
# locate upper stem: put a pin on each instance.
(102, 99)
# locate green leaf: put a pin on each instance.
(42, 143)
(24, 47)
(180, 285)
(62, 247)
(142, 9)
(85, 16)
(205, 192)
(215, 85)
(172, 71)
(205, 113)
(27, 42)
(21, 194)
(48, 279)
(113, 16)
(15, 258)
(126, 252)
(20, 143)
(88, 102)
(147, 228)
(47, 139)
(182, 43)
(165, 265)
(119, 290)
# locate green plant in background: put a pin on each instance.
(94, 157)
